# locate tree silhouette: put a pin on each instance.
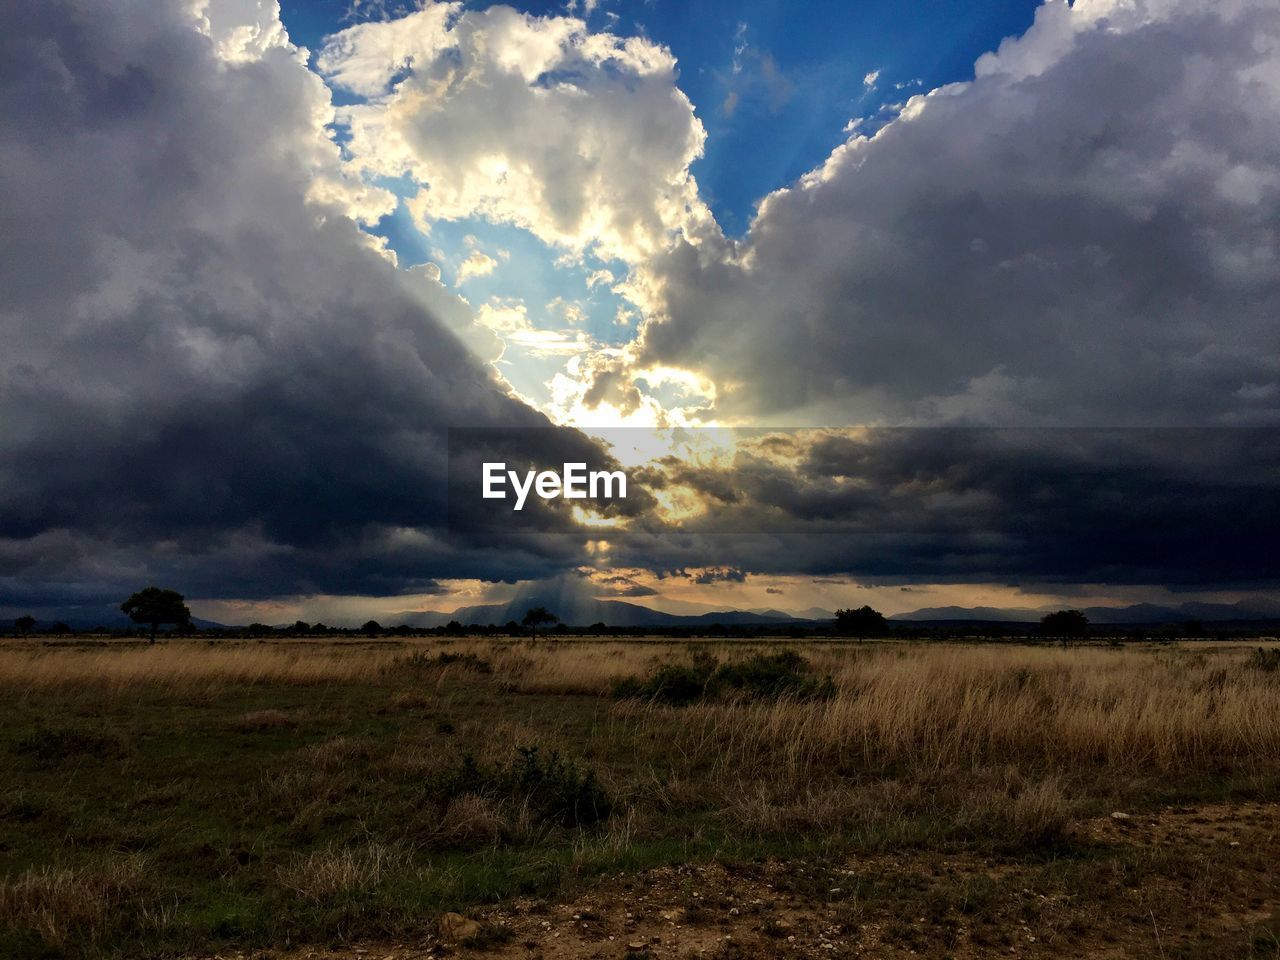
(1065, 624)
(536, 617)
(860, 623)
(156, 606)
(371, 628)
(24, 624)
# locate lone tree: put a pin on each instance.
(371, 628)
(861, 623)
(1066, 625)
(538, 616)
(24, 624)
(156, 606)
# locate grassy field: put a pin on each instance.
(195, 797)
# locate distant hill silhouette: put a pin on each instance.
(1248, 610)
(583, 611)
(84, 618)
(572, 602)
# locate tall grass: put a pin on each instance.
(360, 808)
(923, 706)
(928, 708)
(184, 664)
(57, 905)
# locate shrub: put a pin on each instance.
(557, 790)
(1265, 660)
(671, 683)
(763, 677)
(770, 676)
(423, 662)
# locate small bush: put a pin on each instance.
(671, 683)
(770, 676)
(556, 790)
(421, 662)
(1265, 660)
(763, 676)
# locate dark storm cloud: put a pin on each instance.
(1082, 235)
(1085, 234)
(621, 586)
(209, 381)
(1190, 506)
(721, 575)
(205, 378)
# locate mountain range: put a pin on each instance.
(588, 610)
(1252, 608)
(573, 604)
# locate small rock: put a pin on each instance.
(638, 946)
(1119, 816)
(456, 927)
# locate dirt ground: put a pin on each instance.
(1186, 882)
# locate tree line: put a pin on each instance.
(154, 607)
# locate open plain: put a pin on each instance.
(615, 798)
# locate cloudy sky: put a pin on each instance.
(904, 304)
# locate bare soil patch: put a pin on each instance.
(1181, 882)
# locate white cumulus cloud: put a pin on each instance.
(582, 138)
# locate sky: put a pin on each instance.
(920, 305)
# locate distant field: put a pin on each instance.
(882, 798)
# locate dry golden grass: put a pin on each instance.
(472, 821)
(334, 872)
(187, 664)
(59, 903)
(929, 707)
(926, 706)
(347, 757)
(586, 667)
(543, 666)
